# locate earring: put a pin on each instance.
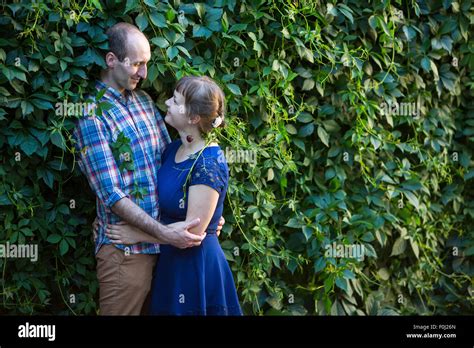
(189, 138)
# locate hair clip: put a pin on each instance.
(217, 122)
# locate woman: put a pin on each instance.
(192, 183)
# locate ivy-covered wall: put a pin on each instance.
(350, 148)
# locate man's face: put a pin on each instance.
(128, 73)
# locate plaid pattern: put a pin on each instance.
(138, 118)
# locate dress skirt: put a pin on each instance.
(194, 281)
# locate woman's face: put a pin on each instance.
(176, 115)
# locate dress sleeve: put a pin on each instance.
(209, 172)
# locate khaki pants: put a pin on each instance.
(124, 281)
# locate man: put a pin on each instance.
(125, 272)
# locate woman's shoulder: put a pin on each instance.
(211, 170)
(214, 156)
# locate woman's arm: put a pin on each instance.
(202, 202)
(124, 233)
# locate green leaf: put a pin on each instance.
(63, 247)
(435, 70)
(399, 247)
(150, 3)
(293, 223)
(323, 136)
(447, 43)
(320, 264)
(346, 11)
(348, 274)
(214, 15)
(237, 39)
(160, 42)
(412, 199)
(329, 174)
(184, 50)
(306, 130)
(172, 52)
(4, 200)
(158, 20)
(51, 60)
(307, 231)
(373, 22)
(368, 237)
(201, 31)
(414, 246)
(305, 117)
(291, 129)
(48, 178)
(19, 75)
(238, 27)
(328, 283)
(57, 139)
(375, 142)
(308, 85)
(26, 108)
(41, 104)
(235, 89)
(141, 22)
(54, 238)
(341, 283)
(29, 145)
(200, 8)
(131, 5)
(409, 32)
(383, 25)
(383, 274)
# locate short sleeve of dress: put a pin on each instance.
(209, 172)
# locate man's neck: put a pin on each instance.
(110, 82)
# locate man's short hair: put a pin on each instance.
(117, 35)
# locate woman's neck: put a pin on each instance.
(191, 142)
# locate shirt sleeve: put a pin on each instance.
(163, 131)
(97, 162)
(209, 172)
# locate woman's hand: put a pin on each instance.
(124, 233)
(95, 228)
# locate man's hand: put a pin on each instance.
(178, 234)
(219, 227)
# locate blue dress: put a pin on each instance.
(197, 280)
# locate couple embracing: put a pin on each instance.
(158, 252)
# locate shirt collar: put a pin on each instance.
(113, 94)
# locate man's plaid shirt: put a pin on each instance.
(138, 118)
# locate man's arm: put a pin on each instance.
(176, 234)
